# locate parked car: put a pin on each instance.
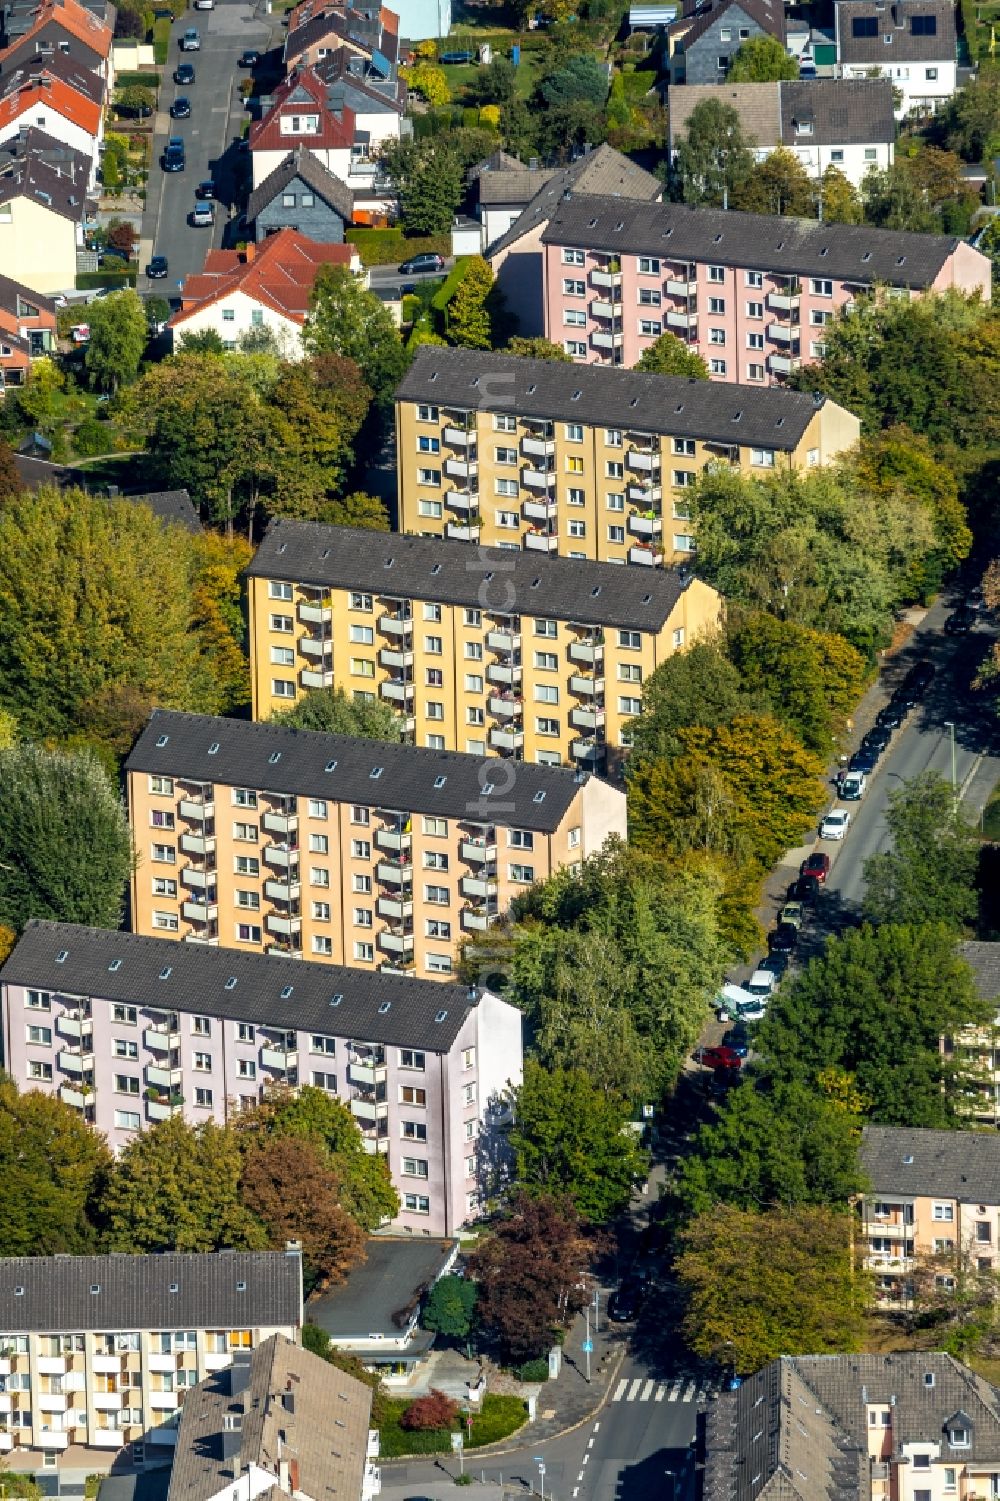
(854, 786)
(731, 998)
(817, 864)
(429, 261)
(863, 760)
(806, 889)
(173, 156)
(777, 964)
(203, 215)
(717, 1058)
(877, 740)
(191, 40)
(761, 982)
(783, 938)
(623, 1304)
(204, 4)
(792, 912)
(891, 717)
(184, 73)
(181, 108)
(157, 267)
(835, 825)
(249, 58)
(205, 189)
(737, 1039)
(961, 622)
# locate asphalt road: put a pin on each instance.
(209, 135)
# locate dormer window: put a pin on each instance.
(803, 127)
(958, 1437)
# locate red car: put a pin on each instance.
(817, 865)
(720, 1057)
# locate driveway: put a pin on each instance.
(210, 136)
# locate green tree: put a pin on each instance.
(450, 1307)
(317, 407)
(135, 99)
(898, 461)
(929, 874)
(330, 711)
(535, 348)
(469, 322)
(698, 686)
(875, 1004)
(39, 399)
(65, 848)
(839, 198)
(761, 1285)
(809, 679)
(581, 79)
(971, 119)
(356, 509)
(572, 1138)
(346, 319)
(157, 313)
(175, 1187)
(779, 184)
(53, 1167)
(201, 341)
(428, 176)
(497, 82)
(762, 59)
(714, 156)
(218, 564)
(118, 337)
(671, 356)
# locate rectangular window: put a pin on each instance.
(364, 952)
(821, 288)
(762, 458)
(165, 854)
(437, 896)
(427, 444)
(523, 874)
(247, 832)
(943, 1212)
(166, 921)
(282, 624)
(42, 1071)
(717, 367)
(755, 372)
(415, 1167)
(504, 424)
(126, 1084)
(430, 477)
(247, 932)
(203, 1100)
(648, 266)
(408, 1058)
(574, 317)
(438, 964)
(127, 1120)
(246, 865)
(631, 640)
(124, 1015)
(427, 414)
(123, 1048)
(754, 279)
(716, 335)
(413, 1131)
(716, 273)
(650, 328)
(162, 786)
(417, 1203)
(410, 1095)
(278, 590)
(649, 297)
(282, 688)
(573, 288)
(574, 258)
(246, 1068)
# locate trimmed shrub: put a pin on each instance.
(533, 1370)
(431, 1413)
(386, 247)
(161, 40)
(92, 437)
(87, 281)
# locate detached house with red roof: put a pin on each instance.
(66, 29)
(263, 286)
(300, 115)
(58, 96)
(27, 331)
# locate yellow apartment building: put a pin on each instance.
(585, 461)
(357, 852)
(533, 657)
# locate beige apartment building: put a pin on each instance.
(933, 1207)
(537, 659)
(357, 852)
(586, 461)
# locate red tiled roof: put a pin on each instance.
(279, 273)
(66, 101)
(266, 134)
(73, 18)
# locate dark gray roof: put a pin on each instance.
(765, 242)
(197, 981)
(893, 20)
(135, 1291)
(11, 291)
(573, 589)
(602, 171)
(170, 505)
(353, 79)
(516, 185)
(142, 1485)
(842, 111)
(963, 1165)
(62, 188)
(769, 17)
(303, 164)
(272, 758)
(379, 1295)
(769, 417)
(24, 70)
(984, 960)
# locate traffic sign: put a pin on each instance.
(588, 1347)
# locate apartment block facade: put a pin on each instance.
(353, 852)
(976, 1050)
(750, 293)
(585, 463)
(102, 1350)
(933, 1206)
(132, 1030)
(533, 658)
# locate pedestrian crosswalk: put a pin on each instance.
(639, 1390)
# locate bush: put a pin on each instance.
(384, 247)
(451, 283)
(161, 40)
(533, 1370)
(435, 1411)
(91, 438)
(86, 281)
(500, 1417)
(150, 80)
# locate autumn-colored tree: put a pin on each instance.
(217, 565)
(761, 1285)
(777, 185)
(430, 1412)
(537, 348)
(318, 407)
(839, 198)
(532, 1274)
(11, 482)
(810, 680)
(8, 938)
(296, 1195)
(429, 81)
(468, 322)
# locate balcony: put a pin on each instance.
(645, 460)
(163, 1109)
(311, 679)
(461, 468)
(477, 919)
(477, 851)
(607, 341)
(163, 1401)
(507, 737)
(275, 922)
(504, 672)
(366, 1076)
(197, 844)
(398, 693)
(540, 510)
(51, 1402)
(538, 448)
(645, 526)
(51, 1365)
(786, 300)
(50, 1438)
(161, 1363)
(784, 364)
(74, 1024)
(396, 841)
(390, 656)
(503, 640)
(278, 822)
(397, 909)
(586, 687)
(282, 891)
(200, 911)
(480, 887)
(587, 717)
(460, 437)
(462, 500)
(587, 750)
(196, 809)
(161, 1039)
(784, 333)
(677, 287)
(506, 705)
(395, 872)
(315, 614)
(163, 1078)
(315, 646)
(645, 555)
(395, 943)
(541, 542)
(538, 479)
(590, 652)
(73, 1062)
(368, 1110)
(395, 625)
(685, 322)
(608, 278)
(78, 1098)
(601, 308)
(195, 878)
(106, 1365)
(275, 1057)
(643, 492)
(462, 531)
(283, 855)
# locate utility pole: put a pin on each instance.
(588, 1343)
(950, 724)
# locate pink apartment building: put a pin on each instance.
(750, 293)
(132, 1030)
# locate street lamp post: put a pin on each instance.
(950, 723)
(540, 1462)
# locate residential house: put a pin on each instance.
(704, 41)
(516, 258)
(372, 88)
(59, 97)
(750, 293)
(262, 286)
(279, 1423)
(912, 43)
(586, 462)
(302, 195)
(316, 28)
(932, 1203)
(524, 654)
(132, 1030)
(318, 837)
(171, 506)
(502, 186)
(43, 206)
(911, 1426)
(978, 1048)
(825, 122)
(374, 1314)
(103, 1350)
(81, 34)
(27, 331)
(299, 114)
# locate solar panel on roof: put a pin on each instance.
(381, 64)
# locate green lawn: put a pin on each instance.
(461, 75)
(500, 1417)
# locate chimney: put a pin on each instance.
(249, 252)
(239, 1374)
(293, 1472)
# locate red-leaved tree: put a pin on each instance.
(287, 1184)
(433, 1411)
